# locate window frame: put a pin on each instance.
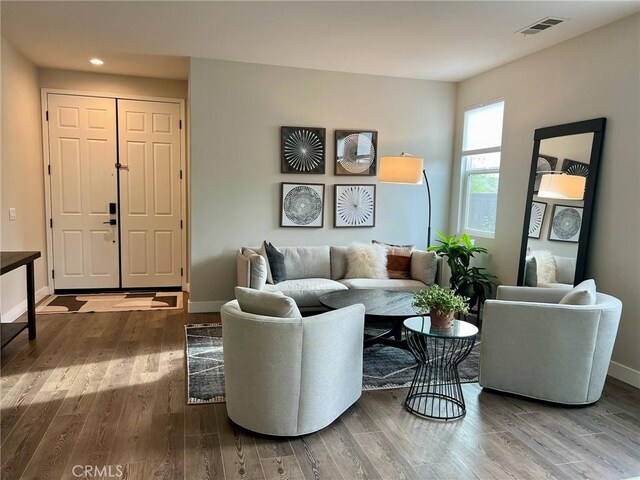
(467, 171)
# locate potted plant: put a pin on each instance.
(473, 283)
(441, 303)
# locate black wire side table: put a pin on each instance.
(435, 390)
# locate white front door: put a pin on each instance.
(150, 201)
(83, 154)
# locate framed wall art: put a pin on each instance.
(572, 167)
(355, 206)
(565, 223)
(538, 210)
(302, 150)
(302, 205)
(546, 164)
(356, 152)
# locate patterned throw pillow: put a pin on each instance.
(398, 260)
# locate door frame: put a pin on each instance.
(184, 166)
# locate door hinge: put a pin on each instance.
(51, 222)
(180, 223)
(180, 122)
(49, 168)
(46, 115)
(53, 274)
(181, 272)
(180, 174)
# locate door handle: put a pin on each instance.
(110, 222)
(121, 166)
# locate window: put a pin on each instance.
(481, 143)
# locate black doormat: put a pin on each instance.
(384, 367)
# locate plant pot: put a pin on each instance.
(440, 321)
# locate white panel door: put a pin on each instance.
(150, 202)
(83, 154)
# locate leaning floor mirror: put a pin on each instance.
(560, 200)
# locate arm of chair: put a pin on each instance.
(262, 361)
(530, 294)
(331, 376)
(541, 350)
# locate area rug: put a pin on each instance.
(110, 302)
(384, 367)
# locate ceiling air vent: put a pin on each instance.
(541, 25)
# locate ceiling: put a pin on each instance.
(450, 40)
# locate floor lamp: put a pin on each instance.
(408, 170)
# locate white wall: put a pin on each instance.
(115, 84)
(593, 75)
(237, 110)
(21, 177)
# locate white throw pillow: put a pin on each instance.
(270, 304)
(545, 267)
(367, 261)
(258, 271)
(263, 253)
(582, 294)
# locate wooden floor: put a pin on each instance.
(109, 390)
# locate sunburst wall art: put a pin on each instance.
(538, 209)
(356, 152)
(355, 206)
(302, 205)
(302, 150)
(546, 164)
(571, 167)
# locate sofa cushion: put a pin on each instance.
(424, 266)
(306, 291)
(388, 284)
(366, 261)
(263, 253)
(338, 262)
(582, 294)
(276, 263)
(270, 304)
(565, 269)
(306, 262)
(398, 259)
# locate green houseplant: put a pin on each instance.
(471, 282)
(441, 303)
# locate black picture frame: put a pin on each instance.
(534, 226)
(354, 205)
(356, 153)
(303, 150)
(300, 207)
(575, 215)
(544, 161)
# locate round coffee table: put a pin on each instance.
(391, 305)
(435, 390)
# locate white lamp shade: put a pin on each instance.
(562, 187)
(403, 169)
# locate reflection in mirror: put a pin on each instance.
(559, 205)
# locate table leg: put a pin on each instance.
(31, 302)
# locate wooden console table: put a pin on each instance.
(10, 261)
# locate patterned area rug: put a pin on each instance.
(110, 302)
(384, 367)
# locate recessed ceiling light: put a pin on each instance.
(96, 61)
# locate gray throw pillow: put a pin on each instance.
(582, 294)
(270, 304)
(276, 263)
(531, 272)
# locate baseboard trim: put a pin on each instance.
(15, 313)
(205, 307)
(624, 373)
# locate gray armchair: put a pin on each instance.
(535, 347)
(291, 376)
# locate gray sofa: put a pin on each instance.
(314, 271)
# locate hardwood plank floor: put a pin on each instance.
(108, 390)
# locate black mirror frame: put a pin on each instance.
(597, 127)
